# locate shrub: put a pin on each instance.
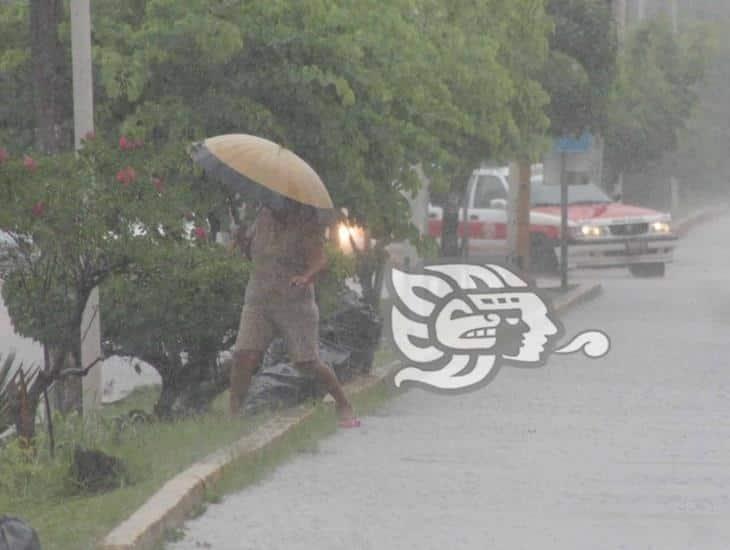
(177, 310)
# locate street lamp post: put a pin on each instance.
(83, 101)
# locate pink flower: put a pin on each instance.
(159, 184)
(125, 144)
(200, 233)
(39, 209)
(30, 163)
(89, 135)
(127, 175)
(3, 155)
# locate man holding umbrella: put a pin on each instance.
(286, 246)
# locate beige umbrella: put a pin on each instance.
(261, 169)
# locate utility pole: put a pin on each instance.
(519, 215)
(83, 96)
(563, 224)
(45, 16)
(83, 100)
(619, 16)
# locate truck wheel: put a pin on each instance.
(542, 255)
(648, 270)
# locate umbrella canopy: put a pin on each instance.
(261, 169)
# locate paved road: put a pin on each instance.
(632, 451)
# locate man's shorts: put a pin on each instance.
(297, 322)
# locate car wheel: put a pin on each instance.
(542, 255)
(648, 270)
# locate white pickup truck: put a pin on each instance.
(602, 232)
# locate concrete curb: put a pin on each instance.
(684, 225)
(582, 293)
(174, 503)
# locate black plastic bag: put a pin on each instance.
(356, 327)
(15, 534)
(278, 384)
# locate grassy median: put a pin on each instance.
(38, 488)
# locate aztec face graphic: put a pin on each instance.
(456, 324)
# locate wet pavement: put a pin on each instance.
(630, 451)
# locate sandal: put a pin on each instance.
(350, 423)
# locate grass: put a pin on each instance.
(39, 491)
(39, 487)
(143, 399)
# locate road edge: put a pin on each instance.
(176, 501)
(683, 226)
(179, 497)
(582, 293)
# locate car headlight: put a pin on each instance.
(660, 227)
(590, 231)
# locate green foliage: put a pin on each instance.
(655, 95)
(329, 284)
(484, 60)
(176, 300)
(6, 373)
(704, 145)
(363, 90)
(16, 108)
(20, 467)
(81, 219)
(581, 69)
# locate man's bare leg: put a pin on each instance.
(329, 378)
(244, 365)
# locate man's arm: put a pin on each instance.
(316, 261)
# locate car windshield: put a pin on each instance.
(549, 195)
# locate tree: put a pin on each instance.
(492, 107)
(363, 90)
(654, 97)
(17, 123)
(703, 146)
(177, 309)
(77, 221)
(47, 60)
(580, 71)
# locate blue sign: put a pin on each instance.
(572, 144)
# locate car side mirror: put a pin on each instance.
(498, 204)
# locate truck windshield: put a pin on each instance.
(549, 195)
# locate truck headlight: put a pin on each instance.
(591, 231)
(660, 227)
